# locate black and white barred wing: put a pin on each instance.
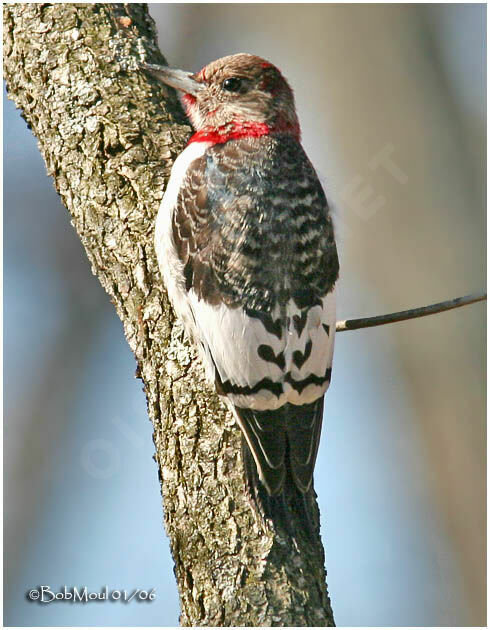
(252, 253)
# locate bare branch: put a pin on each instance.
(421, 311)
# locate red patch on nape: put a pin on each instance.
(272, 80)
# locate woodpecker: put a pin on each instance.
(245, 244)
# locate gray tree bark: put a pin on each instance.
(109, 137)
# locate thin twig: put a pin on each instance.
(422, 311)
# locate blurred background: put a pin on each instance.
(392, 104)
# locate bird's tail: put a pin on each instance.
(287, 507)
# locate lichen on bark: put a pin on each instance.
(109, 136)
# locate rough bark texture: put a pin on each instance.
(108, 137)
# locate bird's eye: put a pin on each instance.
(232, 84)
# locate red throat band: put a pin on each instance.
(242, 130)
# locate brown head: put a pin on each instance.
(236, 96)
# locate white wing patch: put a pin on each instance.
(233, 338)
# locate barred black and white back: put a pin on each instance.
(246, 247)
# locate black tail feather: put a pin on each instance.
(285, 508)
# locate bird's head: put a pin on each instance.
(237, 96)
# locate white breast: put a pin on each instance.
(170, 265)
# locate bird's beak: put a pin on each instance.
(178, 79)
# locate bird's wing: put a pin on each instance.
(259, 262)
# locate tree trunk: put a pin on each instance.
(109, 136)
